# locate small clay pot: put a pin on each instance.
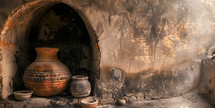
(89, 103)
(80, 86)
(23, 94)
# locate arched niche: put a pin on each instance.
(25, 29)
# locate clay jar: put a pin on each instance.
(80, 86)
(47, 76)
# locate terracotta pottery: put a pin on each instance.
(89, 103)
(80, 86)
(23, 94)
(47, 76)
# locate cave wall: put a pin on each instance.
(150, 49)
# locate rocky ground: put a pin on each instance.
(190, 100)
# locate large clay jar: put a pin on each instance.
(47, 76)
(80, 86)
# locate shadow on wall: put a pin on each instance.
(157, 34)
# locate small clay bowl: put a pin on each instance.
(89, 103)
(23, 94)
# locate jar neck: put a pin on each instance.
(46, 54)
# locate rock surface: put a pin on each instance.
(154, 42)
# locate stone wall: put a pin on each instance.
(6, 7)
(156, 45)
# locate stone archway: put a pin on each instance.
(14, 37)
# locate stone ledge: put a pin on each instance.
(43, 102)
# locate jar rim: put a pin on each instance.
(80, 77)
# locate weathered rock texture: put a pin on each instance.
(156, 44)
(207, 85)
